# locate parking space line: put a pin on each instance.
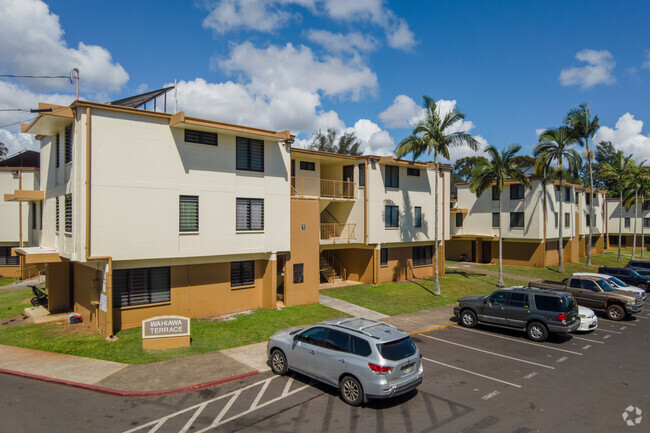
(519, 341)
(189, 423)
(489, 353)
(589, 340)
(642, 317)
(621, 323)
(472, 372)
(607, 330)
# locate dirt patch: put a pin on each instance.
(63, 328)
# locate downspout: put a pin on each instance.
(109, 259)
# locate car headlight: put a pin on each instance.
(629, 303)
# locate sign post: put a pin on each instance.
(165, 332)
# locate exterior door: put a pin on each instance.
(494, 310)
(302, 356)
(517, 310)
(473, 252)
(487, 252)
(348, 176)
(331, 357)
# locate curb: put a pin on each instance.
(433, 329)
(120, 393)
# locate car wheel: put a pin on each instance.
(279, 362)
(643, 286)
(351, 391)
(468, 319)
(536, 331)
(615, 312)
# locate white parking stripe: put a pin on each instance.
(607, 330)
(489, 353)
(517, 341)
(471, 372)
(189, 423)
(622, 323)
(587, 339)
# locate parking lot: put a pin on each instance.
(476, 380)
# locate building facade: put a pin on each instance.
(623, 221)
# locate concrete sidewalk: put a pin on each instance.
(182, 374)
(470, 267)
(23, 284)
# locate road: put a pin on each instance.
(476, 381)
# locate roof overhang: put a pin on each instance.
(474, 237)
(21, 195)
(34, 255)
(49, 123)
(180, 121)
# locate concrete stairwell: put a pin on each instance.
(328, 272)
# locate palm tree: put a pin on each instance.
(634, 184)
(496, 170)
(554, 147)
(583, 127)
(433, 133)
(619, 170)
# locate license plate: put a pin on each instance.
(408, 368)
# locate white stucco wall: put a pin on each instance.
(9, 211)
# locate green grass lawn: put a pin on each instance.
(5, 281)
(407, 297)
(12, 304)
(207, 336)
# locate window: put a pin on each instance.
(40, 215)
(68, 213)
(516, 219)
(495, 219)
(397, 350)
(242, 273)
(588, 198)
(298, 273)
(567, 194)
(412, 171)
(417, 216)
(646, 205)
(250, 214)
(567, 219)
(56, 226)
(188, 213)
(646, 222)
(459, 220)
(557, 220)
(250, 154)
(201, 137)
(359, 346)
(627, 223)
(422, 256)
(383, 260)
(588, 220)
(392, 177)
(613, 240)
(6, 258)
(552, 245)
(57, 149)
(307, 166)
(34, 226)
(499, 298)
(313, 336)
(68, 144)
(518, 300)
(141, 286)
(362, 174)
(337, 340)
(551, 303)
(391, 215)
(516, 192)
(495, 193)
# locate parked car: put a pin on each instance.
(363, 358)
(588, 319)
(627, 275)
(643, 272)
(615, 283)
(638, 264)
(535, 311)
(596, 293)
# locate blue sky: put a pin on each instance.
(514, 67)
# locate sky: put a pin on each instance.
(514, 67)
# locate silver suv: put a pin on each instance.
(363, 358)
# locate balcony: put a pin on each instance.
(322, 188)
(337, 233)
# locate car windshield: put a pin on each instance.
(615, 282)
(605, 286)
(396, 350)
(635, 273)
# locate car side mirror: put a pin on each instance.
(485, 301)
(296, 338)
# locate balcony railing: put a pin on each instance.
(337, 232)
(326, 188)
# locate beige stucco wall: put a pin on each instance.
(9, 211)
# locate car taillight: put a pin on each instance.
(561, 318)
(379, 368)
(420, 356)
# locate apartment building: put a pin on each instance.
(374, 215)
(597, 224)
(618, 216)
(530, 220)
(20, 216)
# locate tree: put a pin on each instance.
(554, 147)
(618, 171)
(496, 170)
(330, 141)
(524, 161)
(464, 166)
(432, 134)
(3, 150)
(582, 126)
(606, 153)
(632, 187)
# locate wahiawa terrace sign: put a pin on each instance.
(165, 332)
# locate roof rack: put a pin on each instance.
(362, 329)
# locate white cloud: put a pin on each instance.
(31, 43)
(455, 153)
(374, 140)
(598, 70)
(646, 63)
(339, 43)
(539, 131)
(404, 112)
(142, 88)
(259, 15)
(400, 35)
(627, 137)
(18, 142)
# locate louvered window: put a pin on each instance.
(40, 215)
(57, 149)
(298, 273)
(68, 144)
(412, 171)
(56, 201)
(383, 257)
(422, 256)
(250, 214)
(68, 213)
(242, 273)
(362, 174)
(201, 137)
(34, 215)
(6, 258)
(417, 217)
(141, 286)
(189, 213)
(391, 216)
(250, 154)
(392, 177)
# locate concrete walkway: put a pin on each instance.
(351, 309)
(23, 284)
(471, 268)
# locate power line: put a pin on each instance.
(33, 76)
(16, 123)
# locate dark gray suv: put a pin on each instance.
(535, 311)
